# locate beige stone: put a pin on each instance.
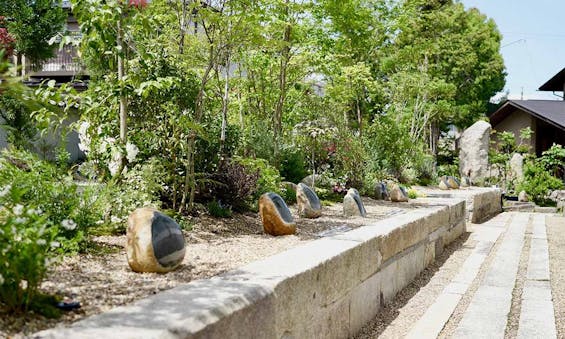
(275, 215)
(523, 197)
(154, 242)
(309, 206)
(353, 205)
(452, 182)
(398, 194)
(443, 185)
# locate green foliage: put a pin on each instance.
(27, 248)
(33, 23)
(45, 187)
(269, 179)
(538, 182)
(233, 185)
(553, 160)
(293, 164)
(218, 210)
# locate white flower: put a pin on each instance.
(20, 220)
(54, 244)
(18, 209)
(85, 141)
(115, 219)
(32, 211)
(68, 224)
(5, 190)
(131, 151)
(41, 242)
(23, 284)
(1, 279)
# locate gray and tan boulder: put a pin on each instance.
(398, 194)
(443, 184)
(474, 144)
(381, 191)
(155, 242)
(353, 205)
(465, 181)
(309, 205)
(523, 196)
(275, 215)
(452, 182)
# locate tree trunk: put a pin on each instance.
(225, 103)
(123, 110)
(277, 119)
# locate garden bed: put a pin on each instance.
(101, 279)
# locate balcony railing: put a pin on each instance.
(65, 62)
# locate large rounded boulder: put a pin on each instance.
(275, 215)
(398, 194)
(353, 205)
(155, 242)
(309, 205)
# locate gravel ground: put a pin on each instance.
(556, 238)
(396, 318)
(102, 279)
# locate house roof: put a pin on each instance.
(550, 111)
(555, 83)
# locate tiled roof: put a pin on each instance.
(550, 111)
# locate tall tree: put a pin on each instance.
(33, 23)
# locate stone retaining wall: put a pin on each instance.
(327, 288)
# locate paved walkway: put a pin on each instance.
(501, 290)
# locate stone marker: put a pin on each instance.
(398, 194)
(309, 205)
(473, 155)
(316, 180)
(381, 191)
(452, 182)
(465, 181)
(443, 185)
(155, 242)
(275, 215)
(517, 166)
(352, 204)
(523, 196)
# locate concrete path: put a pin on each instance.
(506, 276)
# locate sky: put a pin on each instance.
(533, 44)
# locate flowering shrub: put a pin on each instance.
(45, 187)
(28, 243)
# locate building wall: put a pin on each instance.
(514, 123)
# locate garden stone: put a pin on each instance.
(517, 166)
(155, 242)
(465, 181)
(316, 179)
(398, 194)
(523, 197)
(557, 195)
(452, 182)
(309, 205)
(290, 186)
(381, 191)
(275, 215)
(473, 154)
(353, 205)
(443, 185)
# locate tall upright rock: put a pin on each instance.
(473, 151)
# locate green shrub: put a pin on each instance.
(218, 210)
(28, 243)
(47, 188)
(293, 166)
(538, 182)
(234, 184)
(269, 179)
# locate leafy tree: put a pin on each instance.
(33, 23)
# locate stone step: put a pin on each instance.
(491, 302)
(435, 317)
(537, 318)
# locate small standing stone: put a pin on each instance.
(309, 205)
(443, 185)
(352, 204)
(465, 181)
(381, 191)
(523, 197)
(452, 182)
(155, 242)
(398, 194)
(275, 215)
